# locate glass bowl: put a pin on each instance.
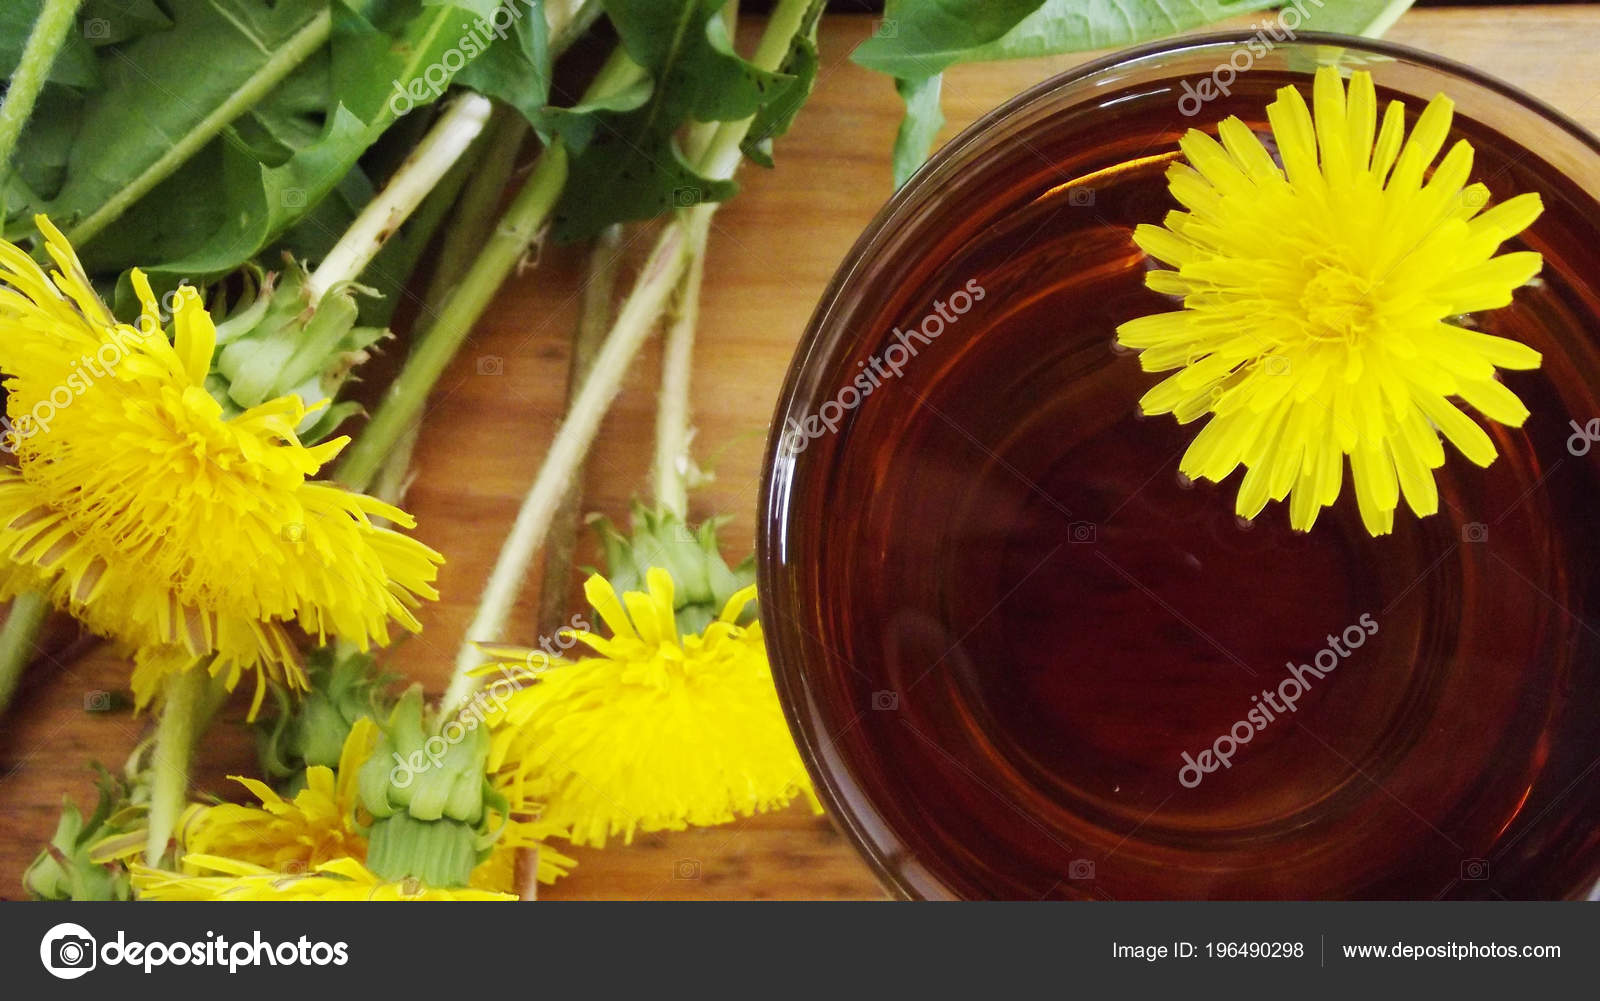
(1011, 639)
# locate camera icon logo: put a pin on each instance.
(68, 951)
(1474, 531)
(1080, 196)
(97, 701)
(1081, 868)
(686, 196)
(886, 701)
(491, 365)
(1082, 531)
(686, 868)
(1475, 869)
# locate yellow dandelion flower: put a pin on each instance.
(317, 826)
(656, 731)
(498, 872)
(222, 878)
(1318, 302)
(145, 511)
(269, 849)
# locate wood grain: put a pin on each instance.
(772, 251)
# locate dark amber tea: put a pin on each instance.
(1026, 658)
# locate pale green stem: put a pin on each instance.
(634, 323)
(393, 478)
(568, 21)
(403, 402)
(670, 473)
(282, 62)
(473, 220)
(183, 716)
(27, 615)
(475, 211)
(672, 462)
(446, 142)
(1386, 18)
(594, 321)
(402, 405)
(464, 241)
(637, 318)
(616, 74)
(38, 55)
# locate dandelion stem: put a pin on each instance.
(393, 478)
(644, 306)
(472, 221)
(568, 21)
(291, 54)
(446, 142)
(465, 240)
(27, 615)
(476, 211)
(38, 55)
(402, 405)
(183, 712)
(1385, 19)
(594, 320)
(672, 461)
(634, 323)
(677, 362)
(403, 402)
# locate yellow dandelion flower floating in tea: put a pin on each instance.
(656, 731)
(1318, 301)
(140, 507)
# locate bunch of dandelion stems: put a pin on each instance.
(674, 265)
(568, 20)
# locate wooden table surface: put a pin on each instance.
(771, 252)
